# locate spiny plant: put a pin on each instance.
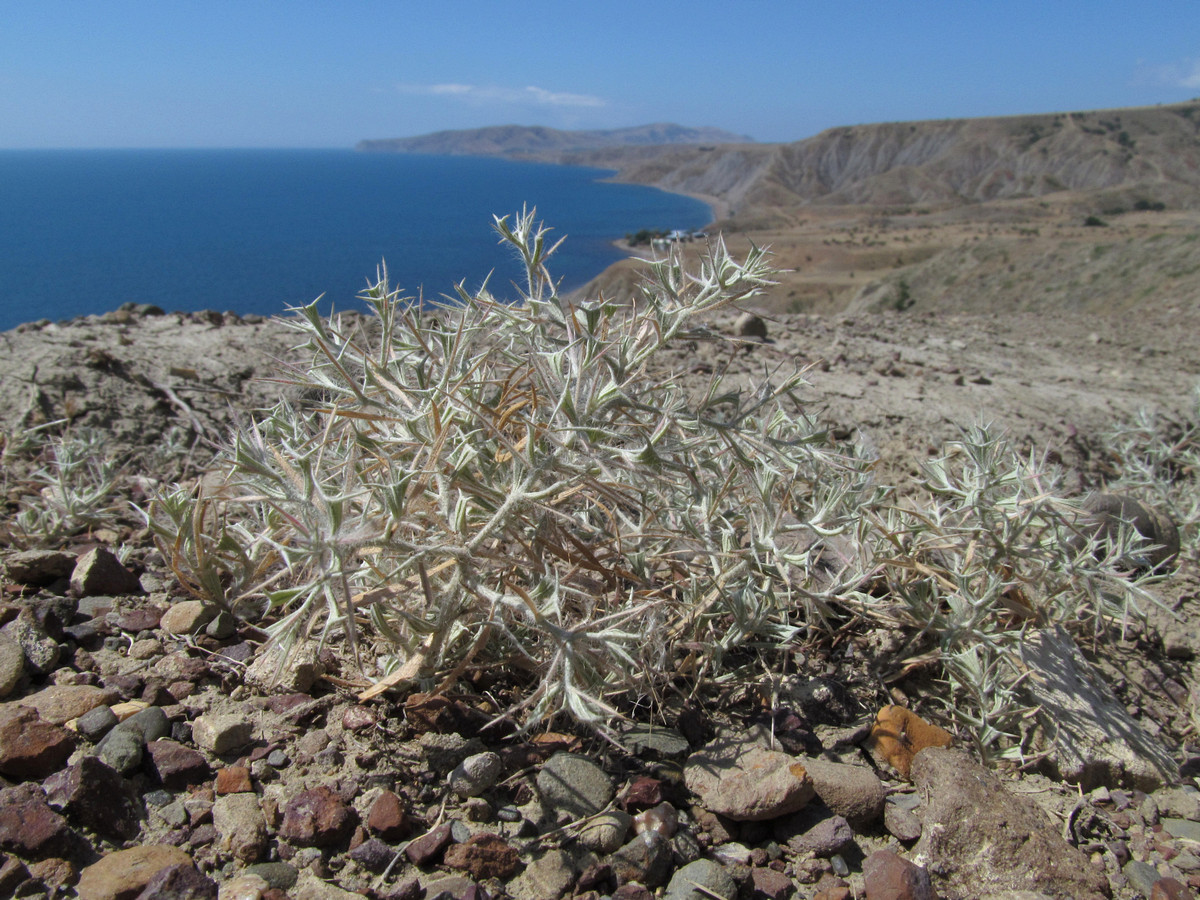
(517, 483)
(478, 483)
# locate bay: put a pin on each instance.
(257, 231)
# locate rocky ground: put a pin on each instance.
(145, 751)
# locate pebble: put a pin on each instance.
(388, 817)
(220, 734)
(317, 818)
(1185, 829)
(96, 723)
(575, 785)
(646, 741)
(606, 832)
(99, 573)
(744, 781)
(125, 873)
(278, 875)
(1141, 875)
(645, 859)
(887, 874)
(476, 774)
(187, 617)
(483, 856)
(97, 797)
(12, 664)
(241, 826)
(175, 765)
(703, 879)
(29, 747)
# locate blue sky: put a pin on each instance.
(261, 73)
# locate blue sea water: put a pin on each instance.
(256, 231)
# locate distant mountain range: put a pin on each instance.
(1149, 154)
(522, 142)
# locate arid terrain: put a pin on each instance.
(932, 275)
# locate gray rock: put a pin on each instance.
(444, 752)
(546, 877)
(12, 664)
(664, 743)
(827, 837)
(39, 568)
(606, 832)
(745, 781)
(853, 792)
(240, 826)
(1178, 802)
(990, 840)
(99, 573)
(122, 750)
(1185, 829)
(96, 723)
(701, 880)
(900, 822)
(41, 651)
(219, 734)
(646, 859)
(1090, 736)
(476, 774)
(575, 785)
(150, 724)
(279, 875)
(1141, 876)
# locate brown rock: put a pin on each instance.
(899, 734)
(746, 782)
(1170, 889)
(887, 876)
(989, 840)
(39, 568)
(233, 780)
(181, 882)
(771, 884)
(388, 817)
(175, 765)
(426, 848)
(29, 747)
(483, 856)
(99, 573)
(317, 818)
(95, 796)
(854, 792)
(643, 792)
(126, 873)
(60, 703)
(187, 617)
(28, 826)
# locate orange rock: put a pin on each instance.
(899, 734)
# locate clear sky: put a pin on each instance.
(266, 73)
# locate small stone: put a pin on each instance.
(483, 856)
(748, 325)
(40, 649)
(645, 859)
(122, 749)
(241, 826)
(149, 723)
(187, 617)
(99, 573)
(278, 875)
(219, 734)
(96, 723)
(317, 818)
(234, 780)
(575, 785)
(296, 673)
(901, 823)
(39, 568)
(899, 734)
(28, 826)
(1141, 875)
(854, 792)
(662, 819)
(358, 718)
(179, 882)
(1182, 828)
(606, 832)
(388, 817)
(373, 855)
(429, 846)
(277, 759)
(548, 876)
(475, 774)
(885, 874)
(744, 781)
(175, 765)
(244, 887)
(142, 618)
(12, 664)
(147, 648)
(29, 747)
(222, 626)
(126, 873)
(643, 792)
(664, 743)
(1170, 889)
(703, 879)
(771, 885)
(97, 797)
(60, 703)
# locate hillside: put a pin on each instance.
(521, 142)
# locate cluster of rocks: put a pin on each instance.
(143, 756)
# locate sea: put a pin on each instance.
(259, 231)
